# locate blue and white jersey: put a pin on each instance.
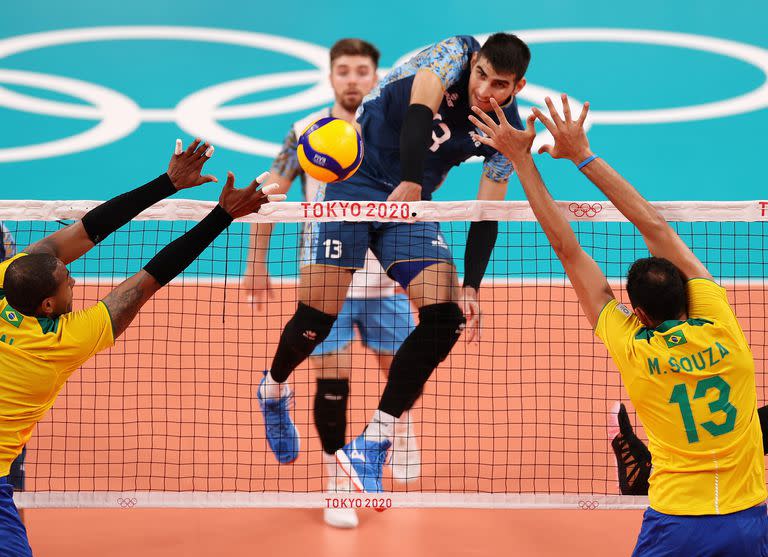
(381, 118)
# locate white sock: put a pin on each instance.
(272, 389)
(382, 427)
(329, 464)
(403, 426)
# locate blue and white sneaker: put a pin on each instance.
(282, 435)
(363, 461)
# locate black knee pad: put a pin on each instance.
(307, 328)
(330, 412)
(440, 326)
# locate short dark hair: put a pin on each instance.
(656, 286)
(355, 47)
(29, 280)
(507, 53)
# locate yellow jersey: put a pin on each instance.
(37, 356)
(692, 384)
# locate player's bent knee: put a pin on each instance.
(444, 322)
(306, 329)
(309, 325)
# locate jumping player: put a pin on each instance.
(415, 129)
(374, 305)
(682, 355)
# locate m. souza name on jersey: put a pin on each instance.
(701, 360)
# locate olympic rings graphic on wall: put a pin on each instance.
(589, 505)
(202, 113)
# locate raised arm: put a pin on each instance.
(571, 143)
(184, 171)
(585, 275)
(125, 301)
(416, 134)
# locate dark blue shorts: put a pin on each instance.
(741, 534)
(13, 535)
(383, 324)
(344, 244)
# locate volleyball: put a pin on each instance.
(330, 150)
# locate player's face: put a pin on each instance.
(61, 301)
(485, 84)
(352, 78)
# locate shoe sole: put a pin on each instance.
(349, 470)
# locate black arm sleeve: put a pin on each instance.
(480, 242)
(103, 220)
(415, 137)
(176, 256)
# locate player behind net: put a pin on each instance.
(374, 304)
(43, 341)
(415, 129)
(707, 489)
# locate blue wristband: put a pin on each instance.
(586, 161)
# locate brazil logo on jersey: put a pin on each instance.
(675, 339)
(12, 316)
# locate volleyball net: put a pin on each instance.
(168, 417)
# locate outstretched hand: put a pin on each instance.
(241, 202)
(570, 138)
(502, 136)
(186, 166)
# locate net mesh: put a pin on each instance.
(168, 416)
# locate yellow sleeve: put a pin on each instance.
(708, 300)
(4, 267)
(615, 325)
(84, 333)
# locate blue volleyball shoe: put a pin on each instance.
(282, 435)
(363, 461)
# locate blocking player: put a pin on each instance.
(682, 354)
(374, 304)
(43, 341)
(415, 129)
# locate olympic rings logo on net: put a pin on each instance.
(589, 505)
(202, 113)
(126, 502)
(588, 210)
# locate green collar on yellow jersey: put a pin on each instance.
(647, 333)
